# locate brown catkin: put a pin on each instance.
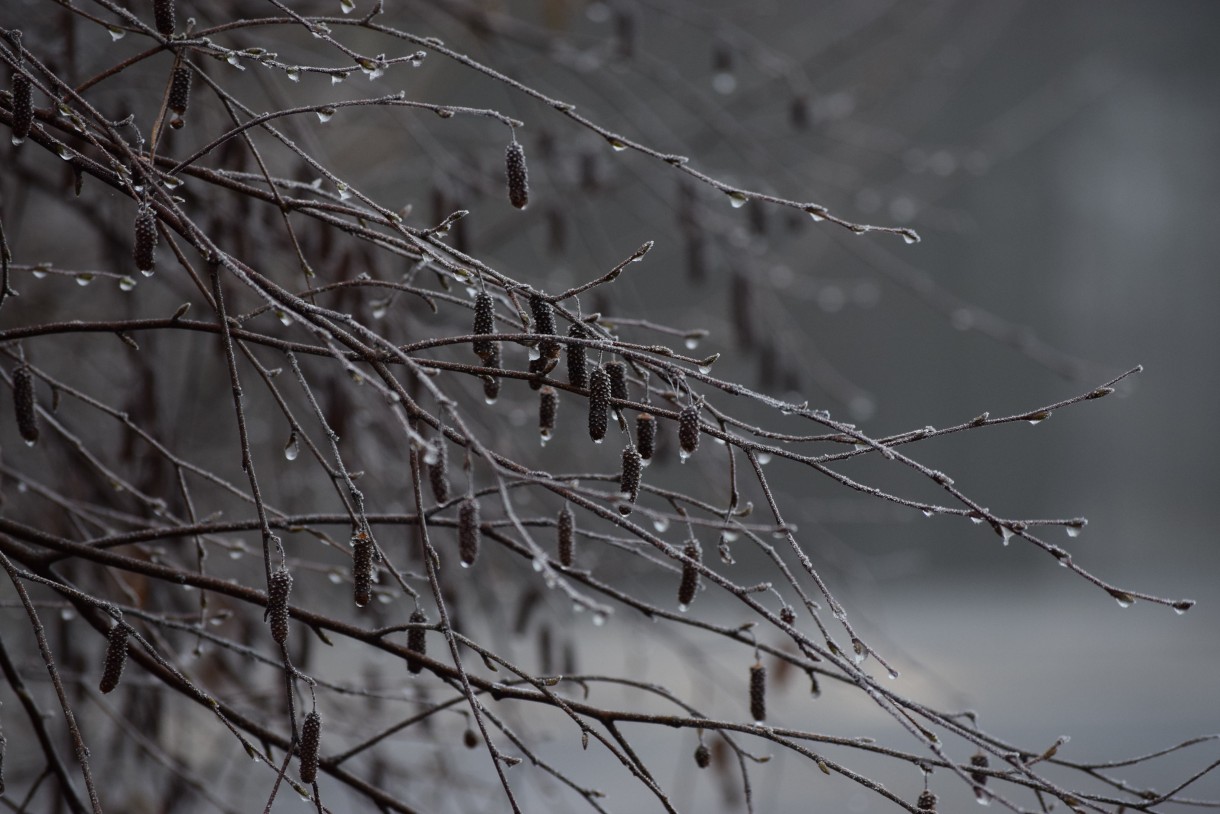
(438, 472)
(278, 589)
(578, 364)
(981, 761)
(688, 429)
(618, 380)
(758, 692)
(567, 535)
(544, 324)
(311, 737)
(517, 175)
(179, 94)
(362, 568)
(599, 403)
(926, 802)
(703, 756)
(146, 239)
(23, 107)
(163, 14)
(416, 641)
(23, 404)
(787, 615)
(491, 384)
(548, 406)
(116, 658)
(690, 576)
(468, 531)
(629, 478)
(484, 323)
(646, 435)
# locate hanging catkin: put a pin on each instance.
(278, 588)
(116, 658)
(758, 692)
(468, 531)
(599, 403)
(362, 568)
(311, 737)
(566, 525)
(416, 641)
(690, 576)
(23, 404)
(517, 175)
(688, 430)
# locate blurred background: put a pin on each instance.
(1059, 162)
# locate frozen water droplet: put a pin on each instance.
(1181, 607)
(335, 577)
(683, 608)
(171, 182)
(599, 619)
(705, 369)
(116, 33)
(283, 317)
(148, 272)
(928, 512)
(293, 74)
(691, 343)
(325, 114)
(1005, 534)
(764, 458)
(465, 564)
(724, 83)
(84, 279)
(126, 284)
(336, 78)
(660, 523)
(235, 62)
(489, 399)
(379, 308)
(1074, 531)
(816, 213)
(909, 236)
(432, 455)
(976, 520)
(347, 6)
(344, 192)
(737, 200)
(1124, 599)
(544, 435)
(293, 448)
(39, 272)
(618, 145)
(63, 152)
(683, 455)
(892, 675)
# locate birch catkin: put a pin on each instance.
(688, 430)
(578, 365)
(758, 692)
(646, 436)
(926, 802)
(179, 94)
(468, 531)
(416, 641)
(311, 738)
(484, 323)
(629, 479)
(23, 404)
(116, 658)
(690, 576)
(548, 406)
(362, 568)
(438, 472)
(599, 403)
(163, 15)
(146, 240)
(23, 107)
(566, 525)
(517, 176)
(278, 589)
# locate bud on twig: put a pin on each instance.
(311, 737)
(468, 531)
(23, 404)
(518, 177)
(416, 641)
(116, 658)
(278, 589)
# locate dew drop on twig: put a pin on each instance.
(293, 448)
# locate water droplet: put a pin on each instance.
(379, 308)
(171, 182)
(691, 343)
(1124, 599)
(335, 577)
(344, 192)
(1181, 607)
(432, 454)
(816, 213)
(293, 448)
(116, 33)
(764, 458)
(724, 83)
(683, 455)
(40, 271)
(465, 564)
(683, 608)
(293, 74)
(893, 675)
(234, 61)
(928, 512)
(63, 152)
(737, 200)
(126, 284)
(83, 279)
(1039, 417)
(909, 236)
(1005, 534)
(1074, 531)
(544, 435)
(283, 317)
(67, 614)
(325, 114)
(347, 6)
(618, 145)
(660, 523)
(976, 520)
(148, 272)
(336, 78)
(535, 353)
(489, 399)
(599, 619)
(705, 369)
